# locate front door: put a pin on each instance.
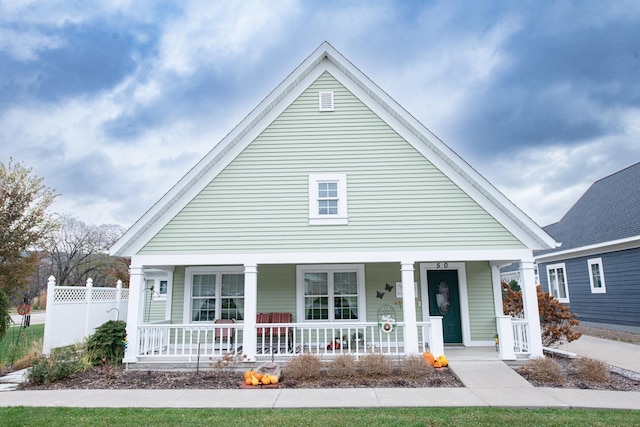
(444, 300)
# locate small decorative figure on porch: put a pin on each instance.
(386, 318)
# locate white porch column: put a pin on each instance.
(503, 323)
(250, 311)
(134, 312)
(411, 345)
(530, 303)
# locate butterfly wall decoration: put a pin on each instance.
(388, 287)
(379, 294)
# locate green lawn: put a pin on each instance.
(23, 337)
(22, 416)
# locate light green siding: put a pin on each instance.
(154, 306)
(376, 277)
(277, 289)
(481, 306)
(177, 295)
(397, 199)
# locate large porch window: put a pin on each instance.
(214, 293)
(330, 292)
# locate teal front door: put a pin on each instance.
(444, 300)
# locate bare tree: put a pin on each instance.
(77, 251)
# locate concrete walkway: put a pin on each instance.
(620, 354)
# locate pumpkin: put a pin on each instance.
(254, 381)
(258, 376)
(437, 364)
(248, 374)
(266, 380)
(428, 357)
(442, 360)
(274, 379)
(247, 381)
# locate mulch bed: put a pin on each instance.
(573, 381)
(120, 378)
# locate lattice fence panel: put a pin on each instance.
(70, 294)
(103, 294)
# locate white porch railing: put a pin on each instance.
(520, 335)
(189, 341)
(513, 333)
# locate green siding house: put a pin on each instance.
(329, 220)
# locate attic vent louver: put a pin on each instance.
(326, 101)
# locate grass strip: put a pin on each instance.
(23, 416)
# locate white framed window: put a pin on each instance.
(158, 284)
(213, 293)
(330, 293)
(328, 199)
(325, 101)
(557, 279)
(596, 276)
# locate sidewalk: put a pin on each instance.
(488, 382)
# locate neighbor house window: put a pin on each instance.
(596, 276)
(558, 287)
(328, 199)
(214, 294)
(330, 292)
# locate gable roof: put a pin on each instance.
(609, 211)
(326, 58)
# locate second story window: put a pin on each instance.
(328, 199)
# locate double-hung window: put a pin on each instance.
(596, 276)
(330, 292)
(214, 294)
(558, 286)
(328, 199)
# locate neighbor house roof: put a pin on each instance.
(608, 212)
(323, 59)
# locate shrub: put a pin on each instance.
(556, 321)
(63, 363)
(343, 366)
(106, 345)
(543, 369)
(376, 365)
(415, 367)
(303, 367)
(588, 369)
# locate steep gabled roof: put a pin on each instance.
(326, 58)
(608, 211)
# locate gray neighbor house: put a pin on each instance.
(596, 270)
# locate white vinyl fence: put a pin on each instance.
(74, 312)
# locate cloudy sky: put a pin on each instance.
(113, 102)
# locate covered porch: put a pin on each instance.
(344, 320)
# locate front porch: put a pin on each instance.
(331, 309)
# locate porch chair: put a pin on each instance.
(275, 335)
